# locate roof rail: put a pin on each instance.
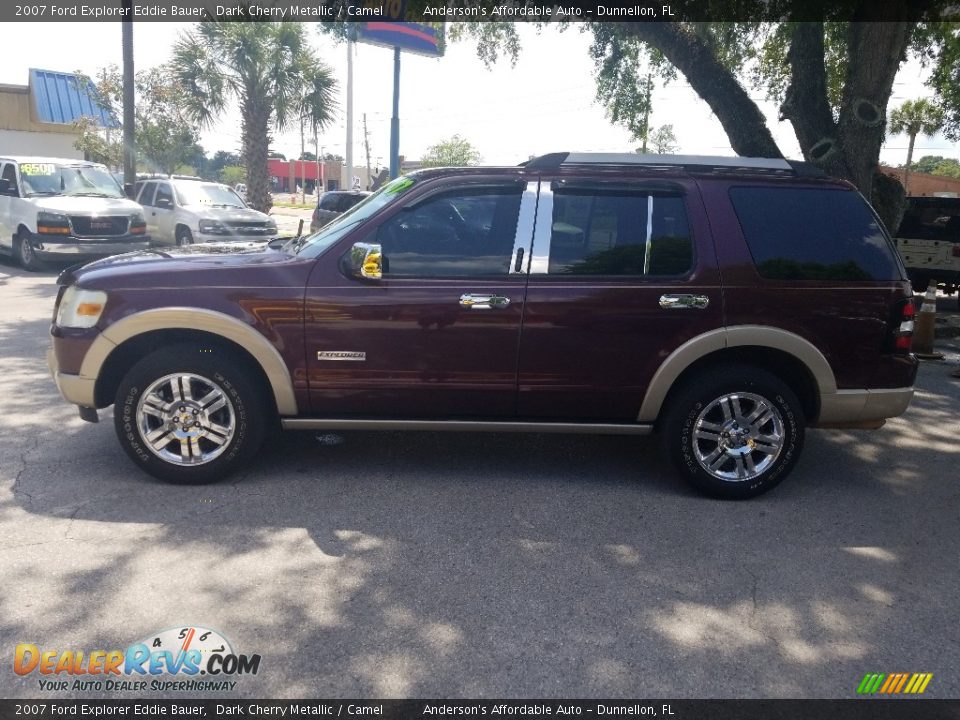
(554, 161)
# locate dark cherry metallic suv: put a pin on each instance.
(726, 303)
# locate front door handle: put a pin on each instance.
(684, 302)
(484, 302)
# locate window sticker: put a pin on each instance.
(38, 169)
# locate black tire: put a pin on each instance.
(184, 236)
(26, 256)
(700, 399)
(216, 368)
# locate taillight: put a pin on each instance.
(903, 333)
(956, 250)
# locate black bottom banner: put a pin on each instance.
(892, 709)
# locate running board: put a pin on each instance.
(465, 426)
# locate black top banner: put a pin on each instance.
(221, 709)
(435, 11)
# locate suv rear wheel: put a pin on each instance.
(735, 432)
(188, 415)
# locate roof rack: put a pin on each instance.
(698, 163)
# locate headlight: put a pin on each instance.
(49, 223)
(213, 227)
(137, 224)
(80, 308)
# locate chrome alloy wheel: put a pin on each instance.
(738, 436)
(186, 419)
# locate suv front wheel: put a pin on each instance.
(188, 414)
(734, 432)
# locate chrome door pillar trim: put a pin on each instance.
(540, 255)
(525, 228)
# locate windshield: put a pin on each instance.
(69, 180)
(313, 245)
(212, 195)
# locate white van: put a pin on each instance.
(65, 210)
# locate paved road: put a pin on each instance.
(492, 565)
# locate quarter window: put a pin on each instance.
(10, 175)
(464, 233)
(813, 234)
(619, 232)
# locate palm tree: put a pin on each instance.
(915, 117)
(266, 67)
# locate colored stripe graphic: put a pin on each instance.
(894, 683)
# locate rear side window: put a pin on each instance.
(813, 234)
(348, 201)
(619, 232)
(931, 219)
(329, 202)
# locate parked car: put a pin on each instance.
(185, 210)
(929, 242)
(726, 303)
(334, 203)
(52, 209)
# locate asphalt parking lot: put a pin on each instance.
(447, 565)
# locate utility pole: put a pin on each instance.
(129, 143)
(303, 169)
(395, 119)
(349, 154)
(366, 145)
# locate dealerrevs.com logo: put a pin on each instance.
(187, 659)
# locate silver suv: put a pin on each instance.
(183, 210)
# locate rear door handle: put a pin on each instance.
(484, 302)
(684, 302)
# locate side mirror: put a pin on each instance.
(7, 189)
(129, 191)
(365, 261)
(164, 203)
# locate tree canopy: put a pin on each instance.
(832, 77)
(454, 152)
(165, 137)
(270, 70)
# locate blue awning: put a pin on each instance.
(59, 97)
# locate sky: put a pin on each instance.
(543, 104)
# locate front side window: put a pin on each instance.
(813, 234)
(325, 237)
(619, 232)
(163, 193)
(459, 233)
(146, 195)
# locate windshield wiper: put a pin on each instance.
(43, 192)
(90, 194)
